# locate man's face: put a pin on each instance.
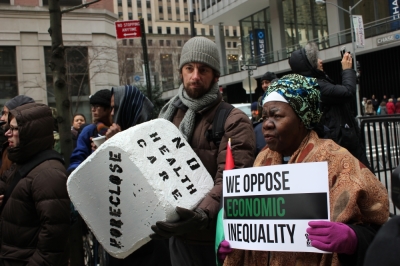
(101, 114)
(4, 115)
(13, 134)
(197, 79)
(265, 84)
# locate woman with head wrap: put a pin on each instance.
(358, 201)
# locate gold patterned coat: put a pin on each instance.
(356, 197)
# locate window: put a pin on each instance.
(77, 78)
(130, 17)
(150, 29)
(235, 33)
(226, 32)
(63, 2)
(167, 71)
(179, 43)
(168, 42)
(8, 74)
(168, 30)
(160, 9)
(149, 17)
(129, 3)
(169, 10)
(139, 4)
(120, 15)
(229, 44)
(211, 32)
(131, 42)
(139, 15)
(124, 42)
(186, 31)
(161, 42)
(185, 11)
(149, 42)
(148, 5)
(234, 44)
(119, 3)
(177, 30)
(177, 11)
(203, 32)
(159, 30)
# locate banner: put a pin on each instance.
(394, 13)
(359, 31)
(268, 208)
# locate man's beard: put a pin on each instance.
(197, 92)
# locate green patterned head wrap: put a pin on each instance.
(301, 93)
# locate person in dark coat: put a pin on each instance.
(336, 99)
(35, 210)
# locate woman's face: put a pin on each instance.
(78, 121)
(283, 130)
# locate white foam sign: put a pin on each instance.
(134, 179)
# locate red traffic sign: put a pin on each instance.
(128, 29)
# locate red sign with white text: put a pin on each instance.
(128, 29)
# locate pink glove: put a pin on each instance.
(332, 236)
(223, 250)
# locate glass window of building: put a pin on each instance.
(119, 2)
(160, 9)
(226, 32)
(139, 4)
(168, 42)
(150, 29)
(167, 72)
(120, 15)
(186, 31)
(148, 4)
(130, 16)
(8, 74)
(177, 11)
(5, 1)
(130, 3)
(203, 31)
(149, 42)
(177, 30)
(169, 10)
(159, 30)
(124, 42)
(139, 15)
(168, 30)
(161, 42)
(149, 17)
(234, 44)
(64, 2)
(235, 33)
(131, 42)
(211, 32)
(179, 43)
(229, 44)
(77, 79)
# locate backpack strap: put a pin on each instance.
(218, 130)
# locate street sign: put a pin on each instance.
(252, 87)
(128, 29)
(249, 67)
(137, 78)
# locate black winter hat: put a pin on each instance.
(269, 76)
(101, 97)
(18, 101)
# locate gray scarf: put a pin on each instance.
(195, 105)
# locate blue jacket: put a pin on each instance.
(83, 147)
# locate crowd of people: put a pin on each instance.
(387, 106)
(297, 120)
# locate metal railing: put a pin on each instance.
(381, 135)
(371, 29)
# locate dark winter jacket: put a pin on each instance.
(35, 215)
(397, 105)
(238, 127)
(335, 103)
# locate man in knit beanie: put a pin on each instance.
(266, 80)
(192, 110)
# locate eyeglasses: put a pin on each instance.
(12, 129)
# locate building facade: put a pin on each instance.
(271, 30)
(167, 27)
(25, 49)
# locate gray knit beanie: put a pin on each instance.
(312, 51)
(200, 50)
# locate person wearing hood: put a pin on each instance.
(36, 207)
(9, 105)
(337, 122)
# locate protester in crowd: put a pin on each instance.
(369, 108)
(266, 80)
(35, 210)
(391, 109)
(394, 99)
(358, 200)
(101, 112)
(382, 108)
(254, 112)
(397, 106)
(9, 105)
(375, 102)
(77, 121)
(338, 122)
(192, 111)
(363, 104)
